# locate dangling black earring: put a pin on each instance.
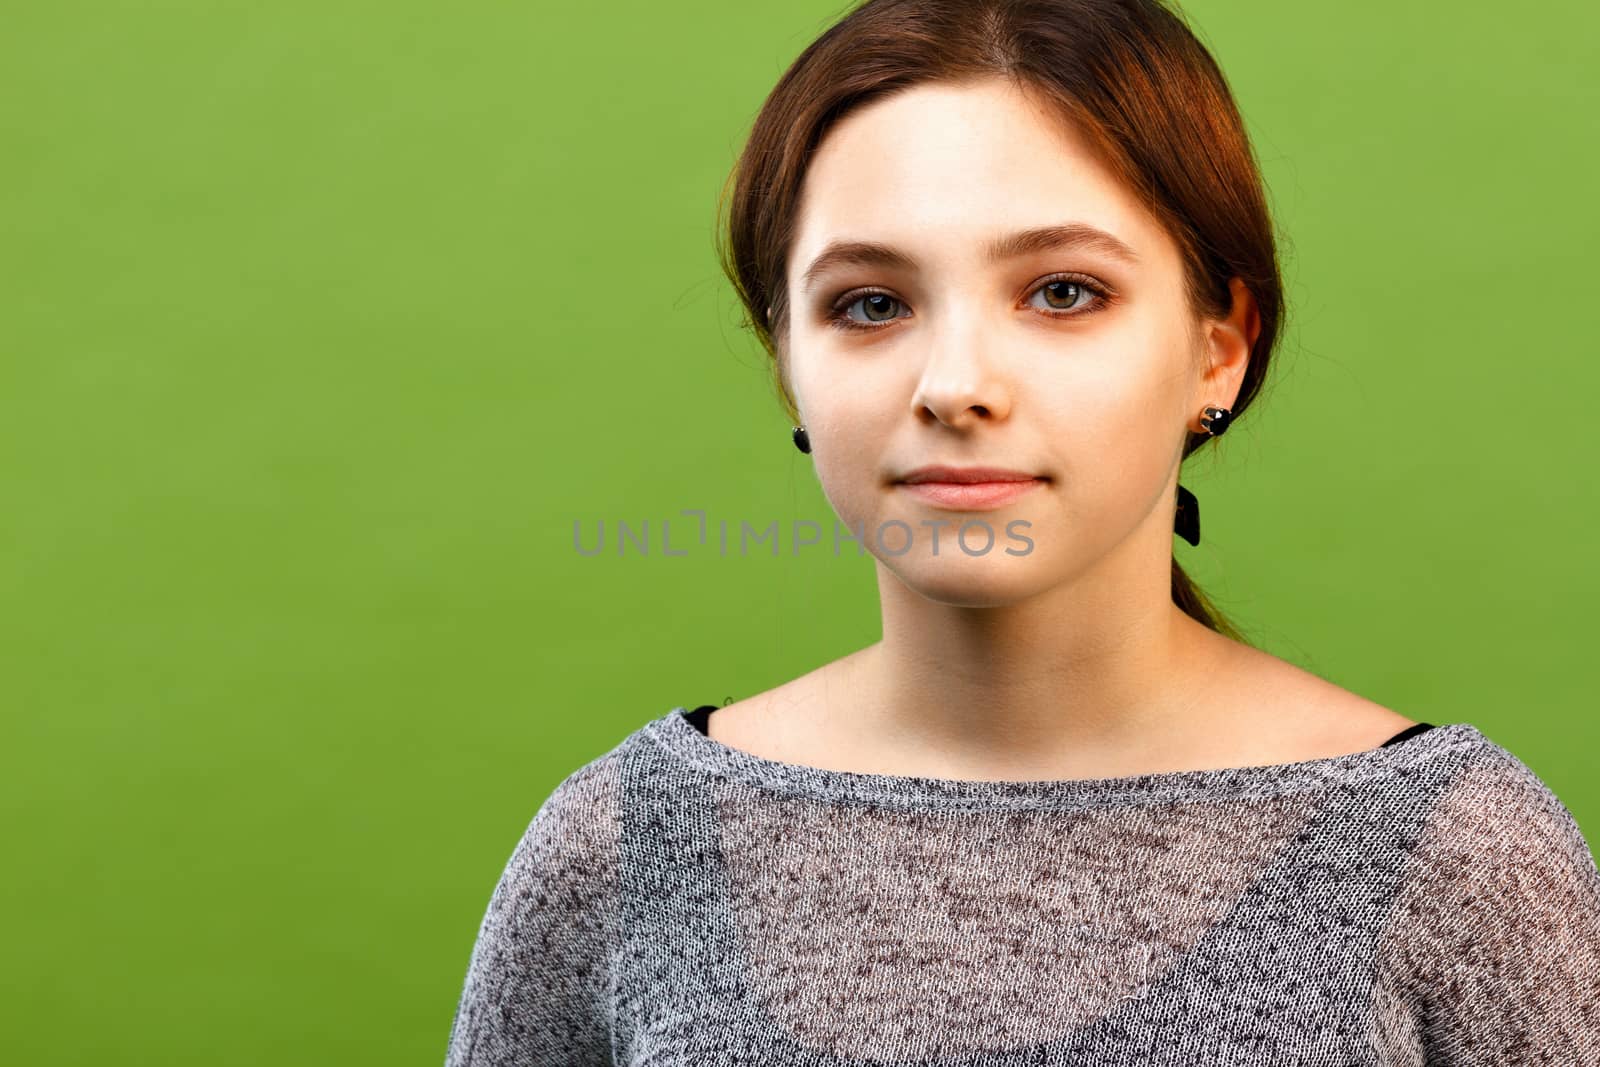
(801, 441)
(1186, 520)
(1186, 523)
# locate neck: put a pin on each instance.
(1094, 673)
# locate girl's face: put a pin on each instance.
(1023, 312)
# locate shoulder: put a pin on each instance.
(558, 889)
(579, 820)
(565, 858)
(1499, 811)
(1295, 714)
(1502, 861)
(790, 720)
(537, 988)
(1495, 933)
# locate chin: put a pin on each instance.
(971, 582)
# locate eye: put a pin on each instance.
(1066, 296)
(1064, 293)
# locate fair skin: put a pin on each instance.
(1070, 661)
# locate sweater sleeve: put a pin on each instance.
(539, 981)
(1498, 930)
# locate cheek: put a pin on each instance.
(850, 402)
(1116, 428)
(850, 431)
(850, 454)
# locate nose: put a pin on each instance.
(960, 383)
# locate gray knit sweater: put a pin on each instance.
(678, 902)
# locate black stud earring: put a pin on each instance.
(1216, 420)
(1186, 522)
(801, 441)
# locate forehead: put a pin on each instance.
(939, 169)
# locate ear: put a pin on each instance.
(1228, 342)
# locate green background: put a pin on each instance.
(323, 322)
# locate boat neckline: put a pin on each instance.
(675, 734)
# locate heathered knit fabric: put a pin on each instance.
(677, 902)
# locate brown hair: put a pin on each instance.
(1128, 74)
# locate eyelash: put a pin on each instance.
(1102, 297)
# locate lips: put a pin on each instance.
(965, 475)
(968, 488)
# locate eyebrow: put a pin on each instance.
(1070, 236)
